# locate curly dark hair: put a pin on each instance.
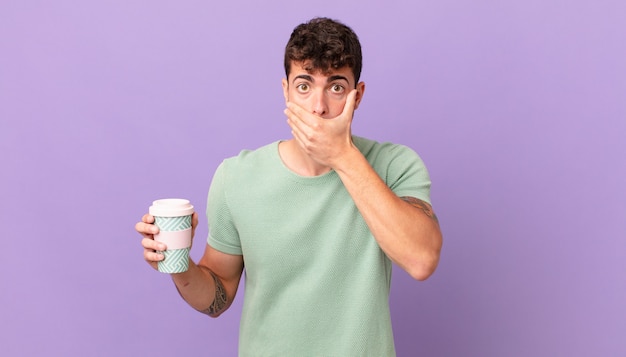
(324, 44)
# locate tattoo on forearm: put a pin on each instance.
(424, 206)
(219, 301)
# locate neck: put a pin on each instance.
(294, 157)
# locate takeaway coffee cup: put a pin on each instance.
(173, 217)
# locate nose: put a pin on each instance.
(320, 106)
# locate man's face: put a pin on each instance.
(322, 94)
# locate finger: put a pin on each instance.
(152, 245)
(299, 115)
(194, 224)
(146, 230)
(348, 109)
(297, 128)
(293, 121)
(292, 116)
(293, 108)
(194, 220)
(299, 137)
(296, 124)
(147, 218)
(152, 256)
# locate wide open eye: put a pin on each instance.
(337, 88)
(303, 87)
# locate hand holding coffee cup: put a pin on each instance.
(173, 217)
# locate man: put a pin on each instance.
(317, 219)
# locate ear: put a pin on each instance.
(286, 89)
(360, 90)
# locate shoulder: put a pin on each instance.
(399, 166)
(247, 168)
(247, 159)
(238, 171)
(386, 152)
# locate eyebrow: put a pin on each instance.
(336, 78)
(307, 77)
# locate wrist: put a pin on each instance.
(349, 160)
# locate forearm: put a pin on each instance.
(410, 236)
(201, 289)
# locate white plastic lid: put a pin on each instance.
(171, 207)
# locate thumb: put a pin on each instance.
(348, 109)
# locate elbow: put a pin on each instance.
(211, 312)
(424, 269)
(215, 315)
(424, 265)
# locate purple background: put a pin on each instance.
(518, 109)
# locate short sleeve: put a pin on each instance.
(223, 234)
(406, 173)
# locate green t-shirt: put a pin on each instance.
(316, 281)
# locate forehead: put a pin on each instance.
(299, 68)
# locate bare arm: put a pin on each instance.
(406, 228)
(209, 286)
